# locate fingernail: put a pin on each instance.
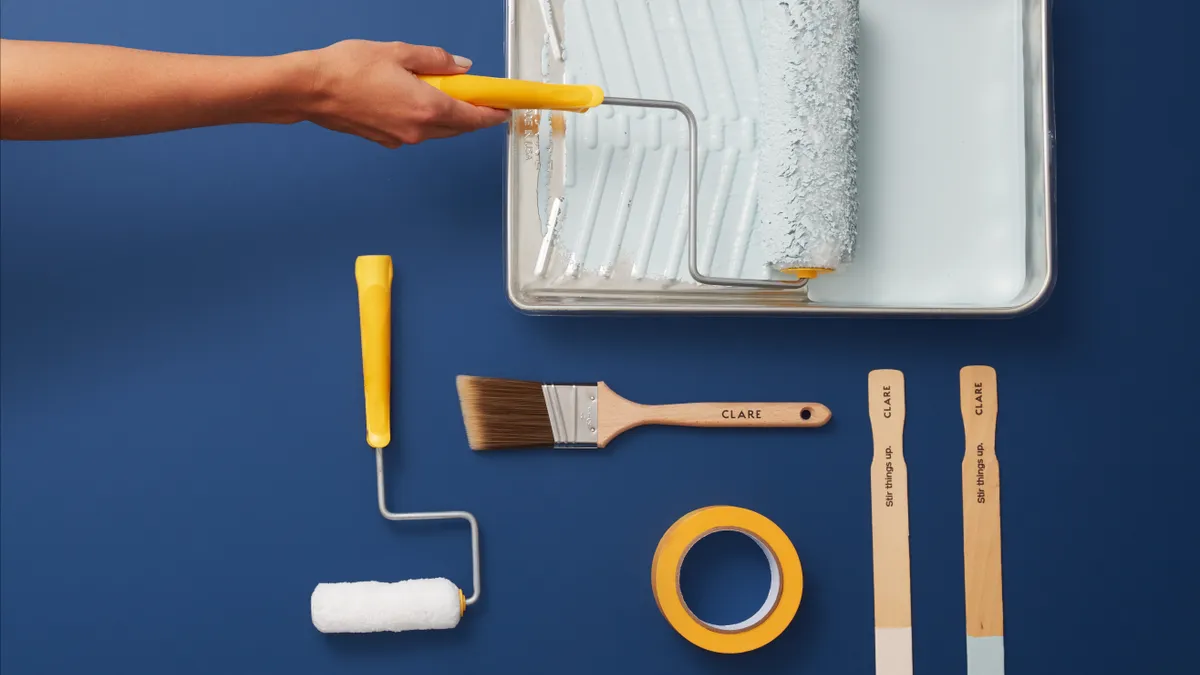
(462, 62)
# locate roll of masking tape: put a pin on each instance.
(783, 598)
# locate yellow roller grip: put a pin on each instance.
(510, 94)
(374, 276)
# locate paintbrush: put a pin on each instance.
(501, 414)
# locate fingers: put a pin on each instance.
(455, 119)
(440, 110)
(442, 131)
(469, 117)
(425, 60)
(433, 130)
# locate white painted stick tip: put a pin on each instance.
(375, 606)
(893, 651)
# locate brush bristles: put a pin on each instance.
(501, 413)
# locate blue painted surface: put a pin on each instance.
(182, 435)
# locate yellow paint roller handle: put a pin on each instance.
(374, 276)
(510, 94)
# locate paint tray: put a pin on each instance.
(955, 178)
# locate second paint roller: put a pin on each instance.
(376, 606)
(808, 84)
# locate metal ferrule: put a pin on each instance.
(573, 414)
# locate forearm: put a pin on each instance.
(67, 91)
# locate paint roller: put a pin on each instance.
(808, 89)
(375, 606)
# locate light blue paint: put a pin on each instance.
(985, 655)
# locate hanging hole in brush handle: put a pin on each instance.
(373, 274)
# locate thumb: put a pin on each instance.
(425, 60)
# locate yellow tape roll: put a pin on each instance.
(783, 599)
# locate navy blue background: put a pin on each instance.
(183, 436)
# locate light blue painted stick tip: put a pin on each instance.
(985, 655)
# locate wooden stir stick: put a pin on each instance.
(889, 525)
(981, 522)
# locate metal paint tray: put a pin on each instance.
(956, 170)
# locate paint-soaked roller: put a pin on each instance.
(375, 606)
(808, 91)
(808, 88)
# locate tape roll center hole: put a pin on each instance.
(725, 576)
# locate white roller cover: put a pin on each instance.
(375, 606)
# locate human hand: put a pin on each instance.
(370, 89)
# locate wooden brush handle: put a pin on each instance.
(889, 500)
(981, 503)
(618, 414)
(735, 414)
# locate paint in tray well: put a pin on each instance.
(941, 155)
